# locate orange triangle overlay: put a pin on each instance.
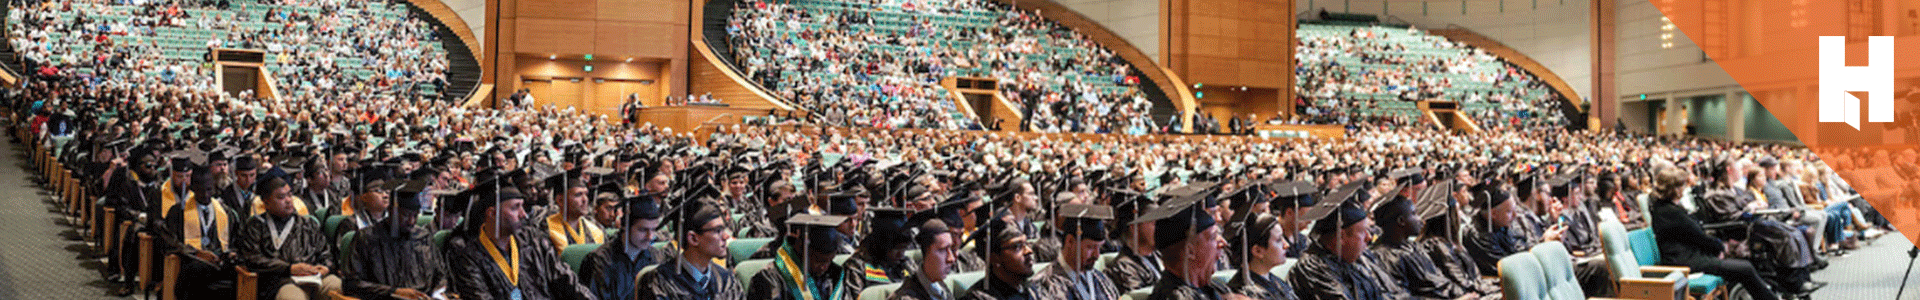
(1772, 48)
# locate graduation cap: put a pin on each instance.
(1408, 176)
(1341, 210)
(820, 232)
(1245, 197)
(1177, 221)
(842, 203)
(643, 206)
(1561, 186)
(1293, 194)
(1489, 194)
(888, 228)
(186, 160)
(1435, 201)
(1088, 222)
(692, 216)
(409, 194)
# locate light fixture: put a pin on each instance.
(629, 59)
(589, 57)
(552, 56)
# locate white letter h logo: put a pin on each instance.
(1836, 79)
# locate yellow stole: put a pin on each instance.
(512, 270)
(260, 206)
(587, 233)
(168, 199)
(192, 225)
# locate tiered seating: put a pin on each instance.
(881, 62)
(1372, 70)
(347, 46)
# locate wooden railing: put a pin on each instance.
(481, 98)
(1496, 48)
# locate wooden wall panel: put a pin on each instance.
(557, 9)
(647, 40)
(553, 36)
(658, 11)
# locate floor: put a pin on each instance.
(40, 258)
(1871, 272)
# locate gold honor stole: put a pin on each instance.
(192, 223)
(168, 198)
(512, 270)
(564, 235)
(260, 206)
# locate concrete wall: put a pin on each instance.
(1555, 33)
(1137, 21)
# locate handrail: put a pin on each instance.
(479, 97)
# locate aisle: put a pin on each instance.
(37, 261)
(1871, 272)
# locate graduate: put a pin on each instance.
(1338, 265)
(692, 273)
(1191, 237)
(280, 244)
(1400, 222)
(609, 270)
(937, 247)
(1258, 245)
(1138, 265)
(881, 258)
(395, 258)
(494, 257)
(1083, 230)
(803, 266)
(1007, 251)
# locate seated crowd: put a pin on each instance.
(317, 49)
(879, 64)
(536, 203)
(1348, 73)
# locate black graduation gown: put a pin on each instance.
(1268, 286)
(876, 273)
(993, 289)
(1057, 282)
(382, 262)
(1171, 287)
(1488, 244)
(304, 243)
(916, 288)
(609, 272)
(542, 274)
(1413, 268)
(199, 279)
(1321, 275)
(1457, 265)
(1581, 235)
(673, 280)
(773, 284)
(1131, 272)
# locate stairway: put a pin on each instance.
(9, 60)
(463, 68)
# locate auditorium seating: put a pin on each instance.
(819, 54)
(1374, 70)
(385, 36)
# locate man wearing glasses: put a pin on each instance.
(610, 269)
(692, 273)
